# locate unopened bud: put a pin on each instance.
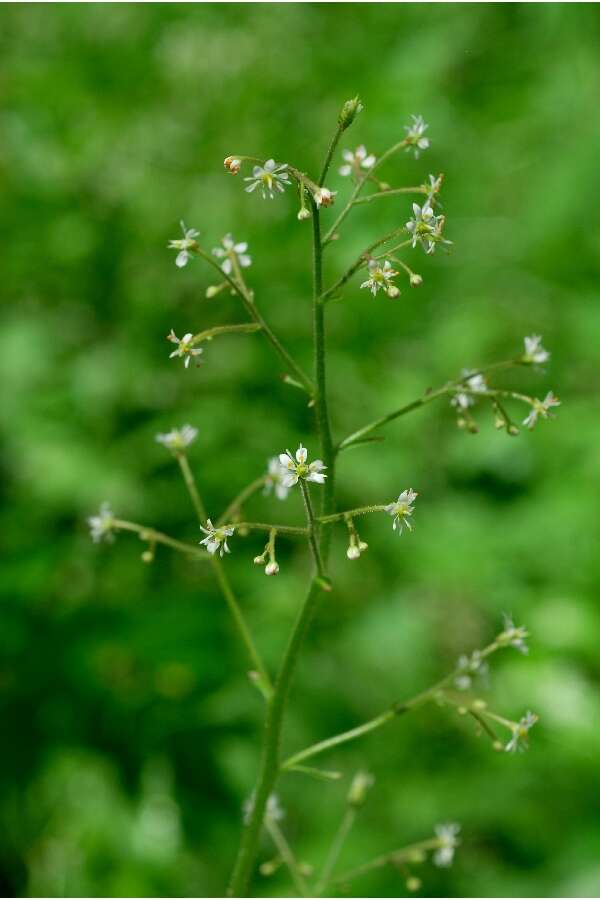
(272, 568)
(303, 214)
(413, 884)
(232, 164)
(512, 430)
(147, 556)
(212, 290)
(479, 705)
(353, 552)
(393, 291)
(259, 560)
(361, 783)
(415, 280)
(324, 197)
(349, 112)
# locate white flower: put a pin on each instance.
(178, 438)
(541, 408)
(357, 161)
(415, 135)
(448, 838)
(473, 382)
(231, 249)
(274, 479)
(101, 526)
(468, 666)
(268, 177)
(426, 228)
(520, 735)
(434, 186)
(184, 245)
(185, 350)
(274, 810)
(216, 538)
(402, 509)
(380, 278)
(534, 352)
(513, 636)
(298, 468)
(324, 197)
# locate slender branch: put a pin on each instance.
(383, 718)
(341, 834)
(351, 513)
(361, 261)
(287, 855)
(331, 150)
(269, 526)
(241, 498)
(210, 333)
(313, 530)
(421, 189)
(152, 535)
(262, 681)
(404, 854)
(246, 297)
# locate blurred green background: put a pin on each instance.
(129, 729)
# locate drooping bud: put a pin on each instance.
(232, 164)
(415, 279)
(272, 568)
(303, 214)
(361, 783)
(349, 112)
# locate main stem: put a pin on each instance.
(270, 756)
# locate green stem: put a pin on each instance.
(361, 261)
(390, 193)
(268, 526)
(404, 854)
(150, 535)
(285, 851)
(330, 151)
(351, 513)
(313, 529)
(210, 333)
(263, 681)
(241, 498)
(346, 824)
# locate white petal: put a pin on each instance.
(182, 259)
(301, 454)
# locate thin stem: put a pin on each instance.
(287, 855)
(331, 150)
(263, 680)
(237, 502)
(151, 534)
(383, 718)
(390, 193)
(210, 333)
(341, 834)
(245, 296)
(269, 526)
(404, 854)
(357, 436)
(313, 529)
(351, 513)
(361, 261)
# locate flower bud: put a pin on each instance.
(272, 568)
(349, 112)
(353, 552)
(147, 556)
(413, 883)
(415, 280)
(324, 197)
(361, 783)
(303, 214)
(212, 290)
(259, 560)
(232, 164)
(393, 291)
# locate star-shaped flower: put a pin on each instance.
(216, 538)
(230, 251)
(448, 842)
(381, 278)
(184, 245)
(520, 736)
(541, 408)
(268, 177)
(276, 473)
(534, 352)
(415, 135)
(401, 509)
(185, 350)
(356, 161)
(299, 468)
(101, 526)
(426, 228)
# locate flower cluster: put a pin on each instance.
(101, 526)
(513, 636)
(402, 509)
(468, 667)
(472, 381)
(299, 468)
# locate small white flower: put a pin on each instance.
(513, 635)
(541, 408)
(380, 278)
(101, 526)
(269, 176)
(520, 736)
(231, 249)
(426, 228)
(402, 509)
(178, 438)
(434, 187)
(299, 468)
(185, 350)
(274, 479)
(274, 810)
(534, 352)
(448, 838)
(415, 135)
(473, 382)
(184, 245)
(216, 538)
(324, 197)
(272, 568)
(356, 161)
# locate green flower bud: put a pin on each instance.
(349, 112)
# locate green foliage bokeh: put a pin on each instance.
(129, 730)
